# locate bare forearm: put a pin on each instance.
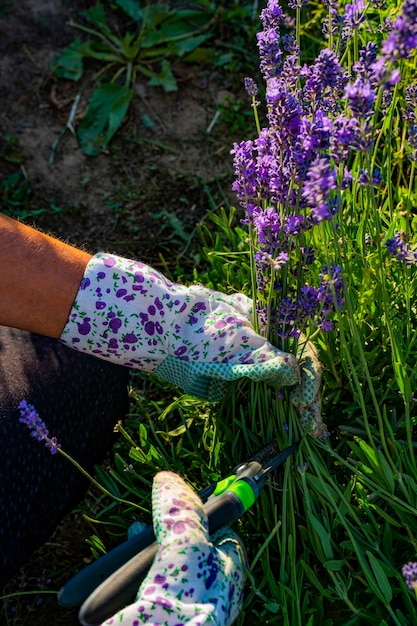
(39, 278)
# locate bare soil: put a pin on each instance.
(124, 199)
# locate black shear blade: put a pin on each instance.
(273, 461)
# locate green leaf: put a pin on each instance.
(381, 577)
(107, 481)
(375, 463)
(334, 565)
(95, 16)
(272, 607)
(186, 46)
(131, 8)
(69, 64)
(200, 55)
(97, 546)
(315, 581)
(102, 51)
(324, 537)
(165, 78)
(173, 26)
(106, 111)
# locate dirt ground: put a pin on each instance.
(131, 198)
(142, 198)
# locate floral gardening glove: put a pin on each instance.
(193, 337)
(194, 579)
(306, 396)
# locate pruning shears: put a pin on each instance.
(111, 582)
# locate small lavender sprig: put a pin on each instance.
(30, 417)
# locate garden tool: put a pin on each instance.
(111, 582)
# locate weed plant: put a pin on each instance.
(142, 49)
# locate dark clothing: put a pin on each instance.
(80, 399)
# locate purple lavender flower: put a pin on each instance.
(31, 419)
(400, 249)
(367, 57)
(409, 571)
(361, 98)
(321, 180)
(313, 306)
(345, 136)
(251, 87)
(412, 142)
(290, 45)
(313, 139)
(284, 109)
(295, 224)
(410, 114)
(268, 226)
(366, 180)
(354, 14)
(269, 40)
(402, 39)
(245, 184)
(297, 4)
(330, 294)
(325, 81)
(333, 22)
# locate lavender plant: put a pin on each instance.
(328, 190)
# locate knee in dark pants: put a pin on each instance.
(80, 399)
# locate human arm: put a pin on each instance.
(39, 278)
(127, 312)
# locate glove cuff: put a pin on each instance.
(121, 312)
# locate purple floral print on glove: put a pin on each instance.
(194, 579)
(192, 337)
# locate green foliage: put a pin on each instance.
(158, 33)
(328, 537)
(16, 198)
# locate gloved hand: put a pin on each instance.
(192, 337)
(194, 580)
(306, 395)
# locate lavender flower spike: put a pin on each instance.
(400, 249)
(409, 571)
(31, 419)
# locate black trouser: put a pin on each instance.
(80, 399)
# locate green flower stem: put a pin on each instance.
(256, 114)
(17, 594)
(411, 186)
(345, 345)
(94, 481)
(373, 487)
